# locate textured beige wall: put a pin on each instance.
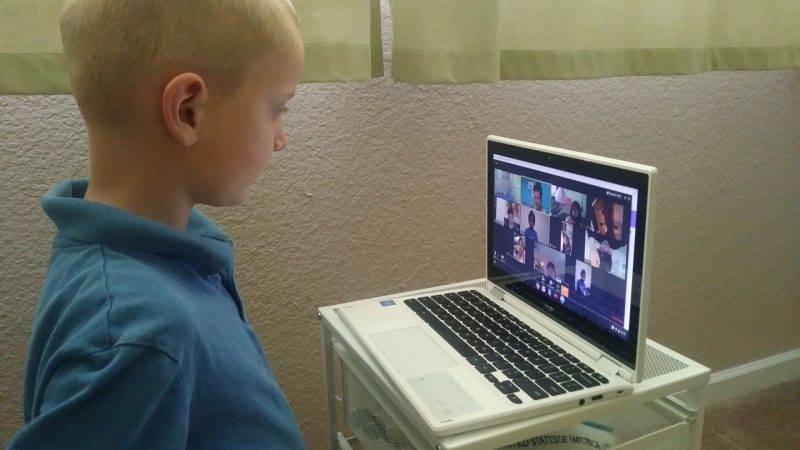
(381, 190)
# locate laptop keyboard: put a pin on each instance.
(511, 355)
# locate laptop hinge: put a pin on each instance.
(609, 366)
(497, 292)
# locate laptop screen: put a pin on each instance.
(566, 235)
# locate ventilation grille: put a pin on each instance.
(658, 363)
(369, 422)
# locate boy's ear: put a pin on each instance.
(182, 105)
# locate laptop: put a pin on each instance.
(558, 322)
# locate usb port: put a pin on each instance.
(597, 397)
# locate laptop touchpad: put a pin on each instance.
(412, 352)
(423, 363)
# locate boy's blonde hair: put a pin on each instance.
(112, 46)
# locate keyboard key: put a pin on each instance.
(585, 368)
(514, 399)
(517, 330)
(517, 345)
(600, 378)
(484, 368)
(476, 359)
(530, 388)
(428, 302)
(426, 315)
(414, 304)
(548, 368)
(571, 359)
(483, 349)
(539, 347)
(550, 386)
(585, 380)
(558, 350)
(506, 387)
(461, 315)
(512, 373)
(504, 336)
(451, 322)
(523, 365)
(514, 358)
(559, 361)
(464, 332)
(534, 374)
(502, 365)
(537, 360)
(504, 350)
(526, 352)
(474, 341)
(492, 356)
(571, 386)
(570, 369)
(560, 377)
(452, 296)
(549, 354)
(492, 379)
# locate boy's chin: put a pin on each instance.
(229, 200)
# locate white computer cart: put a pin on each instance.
(665, 411)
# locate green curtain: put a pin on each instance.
(30, 48)
(463, 41)
(342, 39)
(343, 43)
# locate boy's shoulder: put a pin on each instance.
(117, 274)
(108, 296)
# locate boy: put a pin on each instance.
(140, 339)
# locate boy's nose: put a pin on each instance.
(280, 140)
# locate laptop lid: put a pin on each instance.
(567, 234)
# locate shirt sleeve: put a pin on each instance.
(129, 397)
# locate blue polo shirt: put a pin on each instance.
(140, 340)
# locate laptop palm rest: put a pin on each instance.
(412, 352)
(424, 364)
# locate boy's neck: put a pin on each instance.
(140, 181)
(141, 200)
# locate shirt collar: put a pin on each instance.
(203, 244)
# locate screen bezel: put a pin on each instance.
(621, 349)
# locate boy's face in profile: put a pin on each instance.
(244, 129)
